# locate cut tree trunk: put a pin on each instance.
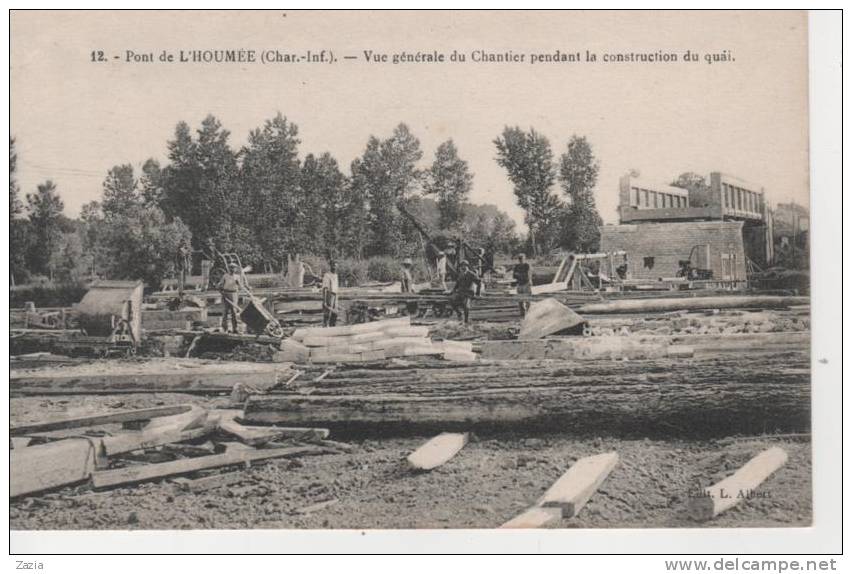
(721, 396)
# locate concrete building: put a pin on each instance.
(719, 227)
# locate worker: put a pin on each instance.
(230, 286)
(329, 296)
(480, 266)
(441, 269)
(523, 276)
(407, 280)
(463, 291)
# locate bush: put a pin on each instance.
(47, 294)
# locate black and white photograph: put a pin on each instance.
(362, 270)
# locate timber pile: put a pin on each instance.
(373, 341)
(696, 397)
(91, 456)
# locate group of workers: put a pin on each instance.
(467, 287)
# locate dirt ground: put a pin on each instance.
(490, 481)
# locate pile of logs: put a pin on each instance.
(710, 396)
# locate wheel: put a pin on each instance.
(275, 331)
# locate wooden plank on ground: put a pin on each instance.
(178, 428)
(574, 488)
(46, 466)
(729, 492)
(99, 419)
(258, 435)
(208, 482)
(136, 474)
(437, 451)
(535, 517)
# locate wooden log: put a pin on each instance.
(770, 393)
(100, 419)
(740, 486)
(535, 517)
(682, 304)
(47, 466)
(200, 378)
(574, 488)
(253, 435)
(317, 507)
(136, 474)
(437, 451)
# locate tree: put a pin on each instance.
(151, 183)
(46, 220)
(699, 189)
(334, 210)
(528, 160)
(141, 244)
(120, 192)
(272, 205)
(15, 205)
(200, 186)
(450, 180)
(385, 174)
(578, 175)
(19, 229)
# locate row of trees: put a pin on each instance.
(264, 202)
(570, 221)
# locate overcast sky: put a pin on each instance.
(74, 119)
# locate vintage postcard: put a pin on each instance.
(409, 270)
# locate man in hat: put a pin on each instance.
(468, 285)
(523, 276)
(230, 286)
(407, 280)
(330, 285)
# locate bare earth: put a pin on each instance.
(490, 481)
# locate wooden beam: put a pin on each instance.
(437, 451)
(208, 482)
(101, 419)
(178, 428)
(574, 488)
(740, 486)
(46, 466)
(258, 435)
(689, 303)
(535, 517)
(191, 378)
(136, 474)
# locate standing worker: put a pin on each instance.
(463, 291)
(441, 269)
(329, 296)
(230, 286)
(523, 276)
(407, 280)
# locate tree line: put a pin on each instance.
(263, 201)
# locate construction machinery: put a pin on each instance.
(689, 268)
(110, 318)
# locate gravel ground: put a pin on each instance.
(491, 480)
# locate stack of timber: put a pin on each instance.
(151, 376)
(707, 396)
(373, 341)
